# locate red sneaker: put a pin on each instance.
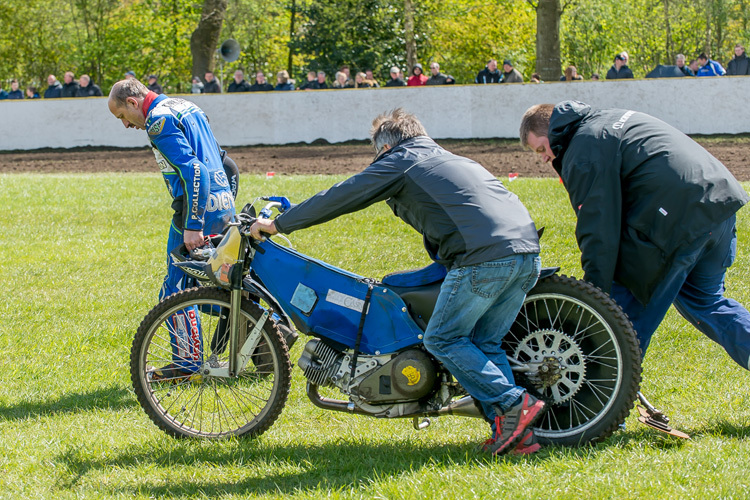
(510, 430)
(527, 446)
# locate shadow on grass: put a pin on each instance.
(284, 469)
(722, 428)
(115, 398)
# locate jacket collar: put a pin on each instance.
(150, 101)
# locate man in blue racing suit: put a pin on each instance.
(193, 166)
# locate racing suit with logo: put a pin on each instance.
(191, 162)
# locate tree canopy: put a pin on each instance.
(106, 38)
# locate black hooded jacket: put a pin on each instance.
(641, 189)
(739, 65)
(464, 213)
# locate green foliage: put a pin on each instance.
(364, 34)
(465, 34)
(651, 31)
(262, 30)
(105, 38)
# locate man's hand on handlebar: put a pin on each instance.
(263, 226)
(193, 239)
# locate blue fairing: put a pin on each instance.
(326, 301)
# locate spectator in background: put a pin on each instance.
(3, 93)
(282, 81)
(196, 86)
(54, 88)
(511, 74)
(437, 77)
(709, 67)
(210, 85)
(260, 85)
(129, 75)
(15, 92)
(349, 82)
(693, 66)
(619, 69)
(87, 88)
(571, 75)
(490, 73)
(740, 64)
(322, 80)
(371, 78)
(396, 80)
(31, 92)
(595, 77)
(153, 84)
(536, 78)
(239, 84)
(416, 79)
(70, 87)
(311, 83)
(362, 82)
(341, 81)
(679, 61)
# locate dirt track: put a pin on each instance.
(500, 157)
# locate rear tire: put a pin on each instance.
(590, 355)
(206, 406)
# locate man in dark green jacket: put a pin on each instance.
(656, 216)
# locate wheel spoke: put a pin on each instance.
(575, 355)
(201, 405)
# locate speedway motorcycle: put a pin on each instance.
(213, 361)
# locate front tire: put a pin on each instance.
(187, 403)
(585, 355)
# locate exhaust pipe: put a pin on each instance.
(464, 407)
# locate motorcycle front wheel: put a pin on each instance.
(177, 345)
(583, 358)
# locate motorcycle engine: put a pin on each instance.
(408, 376)
(320, 363)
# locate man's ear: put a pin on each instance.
(132, 101)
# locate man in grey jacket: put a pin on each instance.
(474, 226)
(656, 216)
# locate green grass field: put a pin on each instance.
(82, 261)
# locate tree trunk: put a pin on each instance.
(411, 43)
(707, 42)
(668, 35)
(548, 13)
(291, 37)
(205, 38)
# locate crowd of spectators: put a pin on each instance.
(702, 66)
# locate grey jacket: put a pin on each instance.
(641, 190)
(465, 215)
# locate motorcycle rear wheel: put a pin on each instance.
(187, 403)
(584, 338)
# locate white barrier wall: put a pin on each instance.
(694, 105)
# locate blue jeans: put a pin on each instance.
(475, 309)
(695, 285)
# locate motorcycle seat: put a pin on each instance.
(429, 274)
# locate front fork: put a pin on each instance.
(239, 352)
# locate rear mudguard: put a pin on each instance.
(548, 271)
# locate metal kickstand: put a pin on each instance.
(656, 419)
